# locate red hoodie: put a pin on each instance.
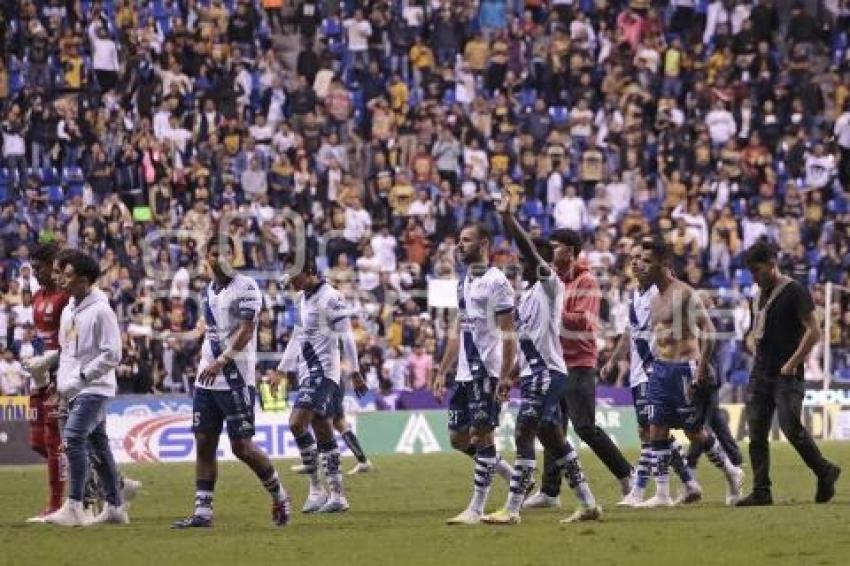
(580, 317)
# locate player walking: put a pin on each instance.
(639, 341)
(484, 348)
(225, 388)
(313, 352)
(683, 334)
(543, 378)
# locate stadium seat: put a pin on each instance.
(74, 190)
(842, 375)
(744, 277)
(55, 194)
(559, 114)
(739, 377)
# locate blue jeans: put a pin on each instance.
(84, 430)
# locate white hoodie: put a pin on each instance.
(90, 341)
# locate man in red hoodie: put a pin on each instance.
(579, 321)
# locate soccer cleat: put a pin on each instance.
(689, 495)
(633, 499)
(466, 517)
(584, 514)
(41, 516)
(501, 517)
(315, 500)
(361, 468)
(657, 501)
(129, 489)
(111, 515)
(826, 484)
(71, 514)
(193, 521)
(540, 501)
(735, 481)
(336, 503)
(756, 499)
(300, 469)
(282, 511)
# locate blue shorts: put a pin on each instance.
(473, 404)
(211, 408)
(669, 395)
(540, 399)
(319, 395)
(641, 403)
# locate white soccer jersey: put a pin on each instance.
(224, 310)
(538, 325)
(480, 299)
(642, 339)
(315, 340)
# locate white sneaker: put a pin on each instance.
(466, 517)
(633, 499)
(315, 501)
(129, 490)
(299, 469)
(361, 468)
(336, 503)
(734, 481)
(71, 514)
(541, 501)
(657, 501)
(112, 515)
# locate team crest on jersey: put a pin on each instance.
(48, 308)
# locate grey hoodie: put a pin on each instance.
(90, 342)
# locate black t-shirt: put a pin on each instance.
(783, 328)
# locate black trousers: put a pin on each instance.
(708, 403)
(579, 406)
(784, 396)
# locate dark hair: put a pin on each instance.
(45, 253)
(762, 251)
(568, 238)
(82, 263)
(219, 239)
(483, 231)
(657, 247)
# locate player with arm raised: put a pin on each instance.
(314, 353)
(638, 341)
(684, 340)
(484, 350)
(225, 388)
(543, 379)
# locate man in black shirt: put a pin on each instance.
(783, 333)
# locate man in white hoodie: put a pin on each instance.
(90, 342)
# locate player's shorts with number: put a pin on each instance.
(212, 408)
(540, 398)
(473, 404)
(669, 395)
(320, 395)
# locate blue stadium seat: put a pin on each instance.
(50, 175)
(559, 114)
(739, 377)
(74, 190)
(55, 195)
(842, 375)
(744, 277)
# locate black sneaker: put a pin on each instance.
(826, 484)
(756, 499)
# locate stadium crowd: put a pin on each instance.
(132, 129)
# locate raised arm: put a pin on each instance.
(523, 240)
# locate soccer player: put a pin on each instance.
(683, 335)
(638, 339)
(225, 387)
(45, 437)
(313, 351)
(543, 379)
(783, 333)
(578, 339)
(90, 342)
(483, 346)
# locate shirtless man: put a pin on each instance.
(683, 335)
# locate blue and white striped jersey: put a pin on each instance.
(224, 310)
(480, 299)
(642, 339)
(538, 325)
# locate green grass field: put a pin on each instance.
(398, 515)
